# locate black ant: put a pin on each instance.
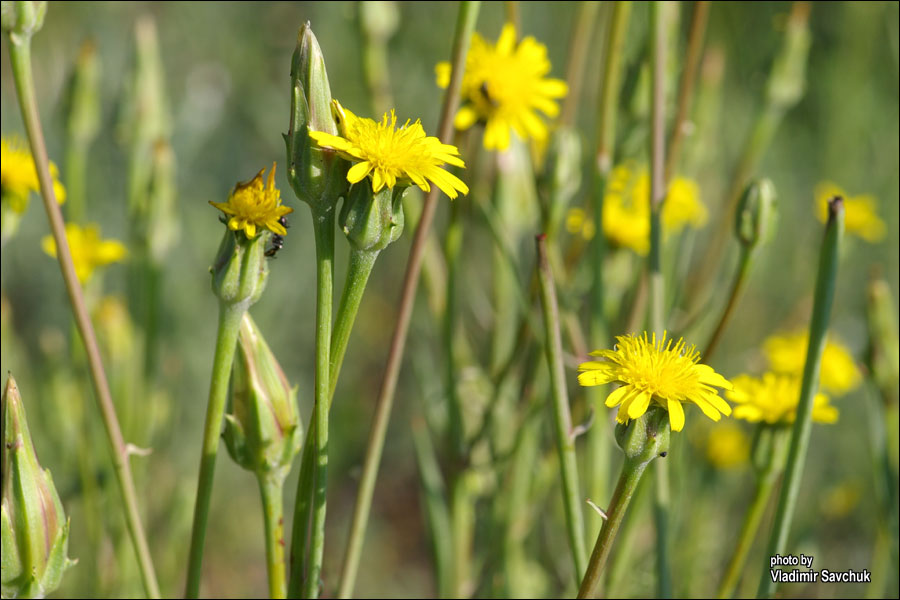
(277, 240)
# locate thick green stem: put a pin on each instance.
(818, 328)
(358, 271)
(226, 341)
(740, 277)
(565, 441)
(468, 13)
(628, 481)
(270, 490)
(20, 57)
(323, 224)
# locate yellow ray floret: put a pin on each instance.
(786, 353)
(504, 86)
(89, 250)
(392, 155)
(18, 176)
(660, 371)
(773, 399)
(253, 206)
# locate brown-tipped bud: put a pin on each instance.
(263, 431)
(371, 220)
(22, 18)
(757, 214)
(317, 175)
(35, 531)
(646, 437)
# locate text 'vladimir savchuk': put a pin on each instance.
(810, 576)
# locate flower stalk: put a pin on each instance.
(21, 20)
(824, 297)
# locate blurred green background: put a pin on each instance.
(226, 76)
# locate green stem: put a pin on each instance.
(452, 248)
(468, 13)
(20, 57)
(76, 167)
(628, 481)
(578, 52)
(360, 267)
(818, 328)
(565, 442)
(740, 277)
(226, 342)
(270, 490)
(302, 508)
(752, 519)
(323, 225)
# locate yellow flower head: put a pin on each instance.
(578, 223)
(253, 205)
(773, 400)
(786, 353)
(391, 155)
(626, 207)
(727, 446)
(659, 371)
(860, 212)
(18, 176)
(504, 86)
(88, 250)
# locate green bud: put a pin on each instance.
(83, 101)
(240, 271)
(263, 431)
(22, 18)
(787, 80)
(646, 437)
(318, 176)
(757, 214)
(372, 221)
(35, 531)
(884, 348)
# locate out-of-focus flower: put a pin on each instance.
(504, 85)
(88, 250)
(786, 353)
(18, 175)
(626, 207)
(392, 155)
(860, 212)
(727, 446)
(253, 205)
(773, 398)
(660, 371)
(578, 223)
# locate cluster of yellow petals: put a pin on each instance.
(504, 85)
(626, 207)
(773, 399)
(786, 353)
(727, 446)
(656, 370)
(392, 155)
(89, 250)
(18, 175)
(860, 212)
(253, 206)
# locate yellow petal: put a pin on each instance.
(676, 415)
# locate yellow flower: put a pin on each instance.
(18, 176)
(88, 250)
(504, 86)
(253, 205)
(626, 207)
(786, 353)
(658, 371)
(578, 223)
(390, 155)
(860, 212)
(773, 400)
(727, 446)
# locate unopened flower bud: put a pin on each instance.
(263, 431)
(22, 18)
(787, 80)
(35, 531)
(646, 437)
(240, 271)
(317, 175)
(371, 220)
(757, 214)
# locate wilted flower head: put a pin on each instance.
(659, 371)
(860, 212)
(504, 85)
(787, 354)
(89, 250)
(392, 155)
(773, 399)
(253, 205)
(18, 175)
